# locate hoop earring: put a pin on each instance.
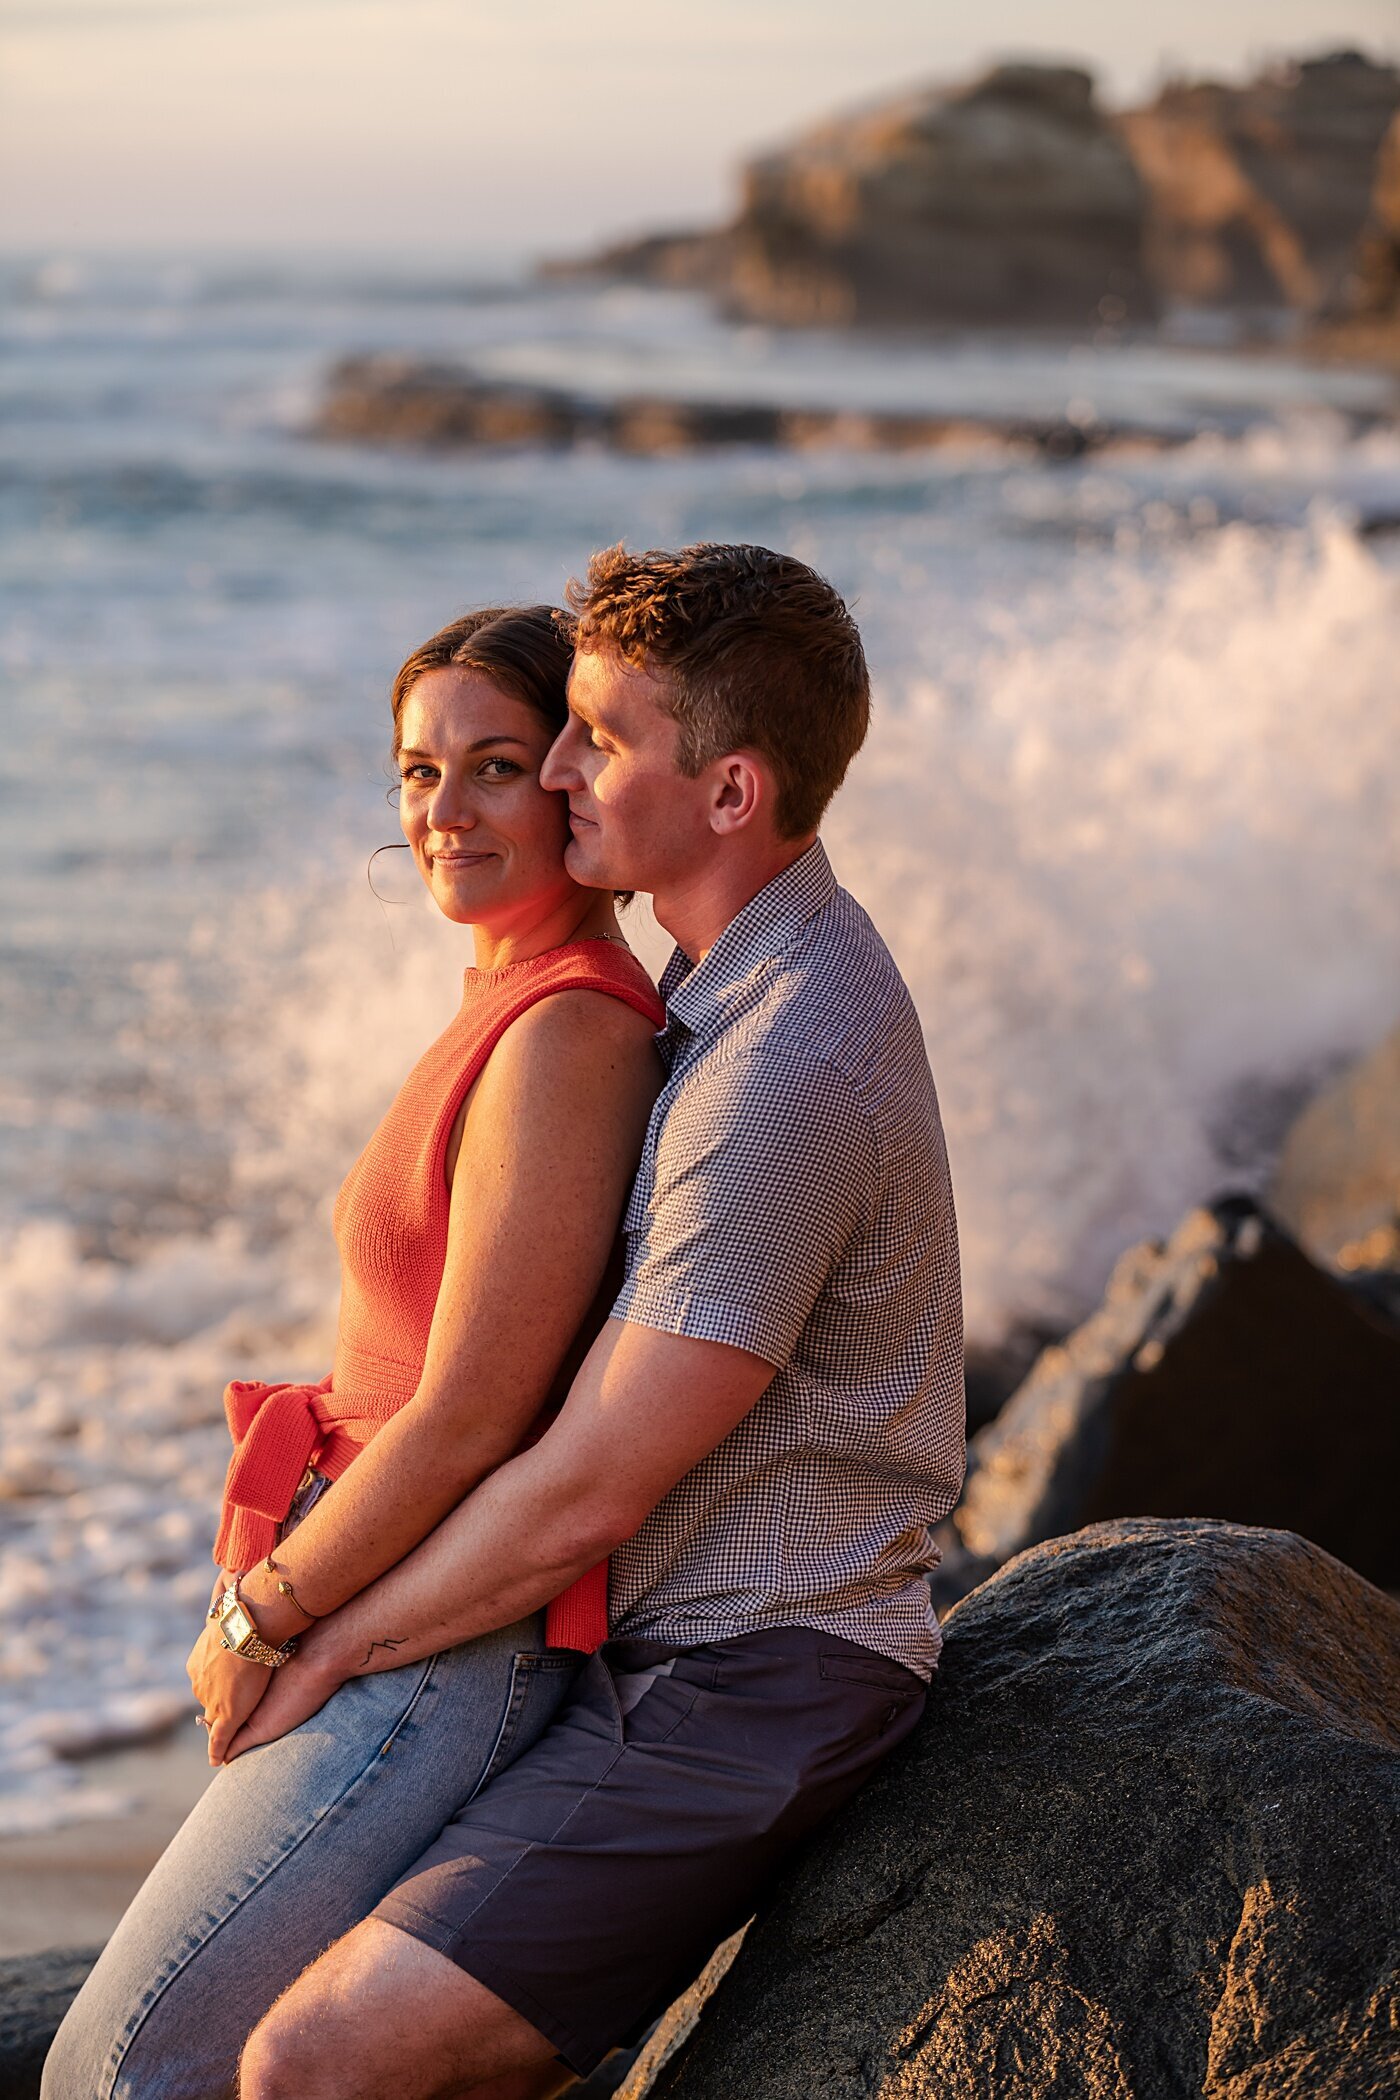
(394, 846)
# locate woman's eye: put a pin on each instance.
(418, 772)
(500, 768)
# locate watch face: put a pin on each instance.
(235, 1626)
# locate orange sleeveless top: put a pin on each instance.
(391, 1228)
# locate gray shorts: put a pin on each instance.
(589, 1882)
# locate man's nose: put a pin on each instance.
(559, 772)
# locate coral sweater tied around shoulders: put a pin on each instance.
(391, 1220)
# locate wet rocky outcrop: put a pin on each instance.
(1225, 1374)
(1143, 1844)
(404, 400)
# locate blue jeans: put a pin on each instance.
(287, 1849)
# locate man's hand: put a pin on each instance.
(300, 1689)
(227, 1686)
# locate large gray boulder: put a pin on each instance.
(1224, 1375)
(1142, 1847)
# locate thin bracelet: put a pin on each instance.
(285, 1589)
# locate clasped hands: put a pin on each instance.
(245, 1703)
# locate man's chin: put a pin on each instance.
(586, 863)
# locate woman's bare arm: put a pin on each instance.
(549, 1146)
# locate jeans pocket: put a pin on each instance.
(539, 1684)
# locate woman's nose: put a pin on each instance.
(449, 809)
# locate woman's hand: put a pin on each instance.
(301, 1689)
(227, 1686)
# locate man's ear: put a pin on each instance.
(743, 791)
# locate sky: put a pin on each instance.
(473, 129)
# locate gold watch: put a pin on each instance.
(238, 1632)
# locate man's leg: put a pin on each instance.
(589, 1881)
(383, 2013)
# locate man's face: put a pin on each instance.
(636, 821)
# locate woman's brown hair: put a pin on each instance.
(526, 650)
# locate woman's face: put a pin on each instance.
(488, 839)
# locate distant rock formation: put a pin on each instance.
(1009, 200)
(1143, 1844)
(1258, 193)
(1017, 200)
(1373, 291)
(406, 400)
(1365, 318)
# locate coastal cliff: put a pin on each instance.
(1019, 200)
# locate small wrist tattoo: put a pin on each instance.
(388, 1642)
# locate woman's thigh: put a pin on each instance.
(288, 1848)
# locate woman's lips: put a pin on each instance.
(460, 860)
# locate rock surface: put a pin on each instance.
(1009, 200)
(1143, 1846)
(403, 400)
(1373, 291)
(1224, 1375)
(1258, 193)
(1337, 1183)
(36, 1990)
(1017, 200)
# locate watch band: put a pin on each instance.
(258, 1651)
(252, 1647)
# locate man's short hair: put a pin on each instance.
(755, 650)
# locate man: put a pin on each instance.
(763, 1432)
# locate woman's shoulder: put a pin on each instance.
(581, 1049)
(575, 1020)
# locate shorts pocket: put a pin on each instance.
(659, 1712)
(880, 1672)
(540, 1679)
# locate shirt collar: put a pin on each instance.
(696, 994)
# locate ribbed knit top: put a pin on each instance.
(391, 1220)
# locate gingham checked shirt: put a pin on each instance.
(793, 1200)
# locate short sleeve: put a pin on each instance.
(765, 1167)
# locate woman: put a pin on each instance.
(476, 1233)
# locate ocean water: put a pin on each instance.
(1127, 818)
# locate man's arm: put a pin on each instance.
(536, 1195)
(644, 1409)
(762, 1176)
